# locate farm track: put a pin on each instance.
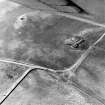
(54, 11)
(73, 68)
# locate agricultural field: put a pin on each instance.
(50, 59)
